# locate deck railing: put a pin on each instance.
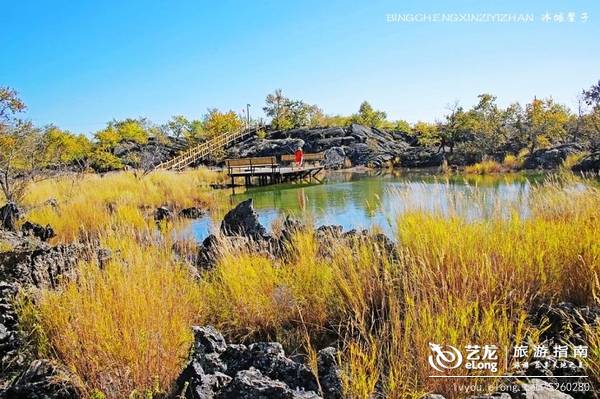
(202, 150)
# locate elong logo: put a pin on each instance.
(441, 359)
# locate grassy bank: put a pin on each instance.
(125, 328)
(85, 206)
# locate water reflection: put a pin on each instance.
(366, 199)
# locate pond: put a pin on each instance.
(364, 199)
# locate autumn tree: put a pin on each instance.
(545, 123)
(63, 148)
(427, 133)
(287, 114)
(21, 147)
(368, 116)
(21, 158)
(216, 122)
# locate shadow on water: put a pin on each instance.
(363, 199)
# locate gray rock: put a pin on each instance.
(255, 147)
(9, 215)
(218, 370)
(329, 373)
(551, 158)
(162, 213)
(420, 157)
(243, 221)
(38, 264)
(42, 380)
(359, 144)
(252, 384)
(208, 339)
(12, 355)
(191, 213)
(334, 158)
(589, 163)
(36, 230)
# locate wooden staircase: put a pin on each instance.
(202, 150)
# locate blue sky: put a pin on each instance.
(81, 64)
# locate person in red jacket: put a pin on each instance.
(299, 156)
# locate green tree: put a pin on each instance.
(368, 116)
(289, 114)
(181, 127)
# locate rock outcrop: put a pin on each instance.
(589, 163)
(551, 158)
(220, 370)
(149, 154)
(356, 144)
(162, 213)
(43, 379)
(191, 213)
(241, 231)
(243, 221)
(36, 230)
(27, 262)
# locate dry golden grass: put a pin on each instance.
(453, 282)
(123, 328)
(92, 204)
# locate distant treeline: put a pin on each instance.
(485, 128)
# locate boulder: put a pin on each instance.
(252, 384)
(191, 213)
(9, 215)
(329, 373)
(12, 358)
(243, 221)
(162, 213)
(420, 157)
(220, 370)
(36, 230)
(589, 163)
(43, 379)
(208, 339)
(35, 263)
(551, 158)
(334, 158)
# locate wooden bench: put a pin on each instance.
(312, 157)
(251, 164)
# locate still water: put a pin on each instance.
(367, 199)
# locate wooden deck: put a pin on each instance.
(263, 176)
